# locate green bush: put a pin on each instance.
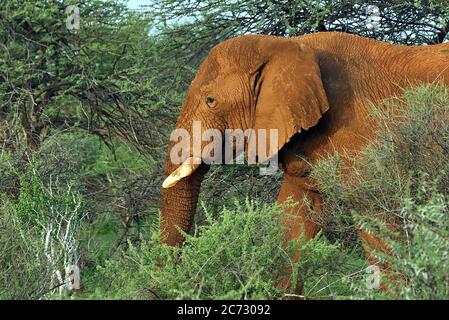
(100, 174)
(423, 255)
(236, 256)
(39, 235)
(25, 272)
(402, 180)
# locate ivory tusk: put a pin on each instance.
(184, 170)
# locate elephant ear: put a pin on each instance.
(290, 95)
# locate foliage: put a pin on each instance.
(39, 237)
(203, 24)
(425, 251)
(96, 78)
(225, 184)
(67, 165)
(116, 187)
(328, 270)
(236, 256)
(399, 191)
(25, 271)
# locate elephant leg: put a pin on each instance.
(372, 243)
(295, 221)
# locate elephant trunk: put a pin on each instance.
(180, 194)
(179, 206)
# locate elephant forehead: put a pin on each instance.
(241, 53)
(215, 68)
(237, 55)
(209, 70)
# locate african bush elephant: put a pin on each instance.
(317, 90)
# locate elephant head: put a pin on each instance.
(248, 82)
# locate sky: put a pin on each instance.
(136, 4)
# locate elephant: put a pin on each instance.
(316, 90)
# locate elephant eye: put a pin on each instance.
(210, 101)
